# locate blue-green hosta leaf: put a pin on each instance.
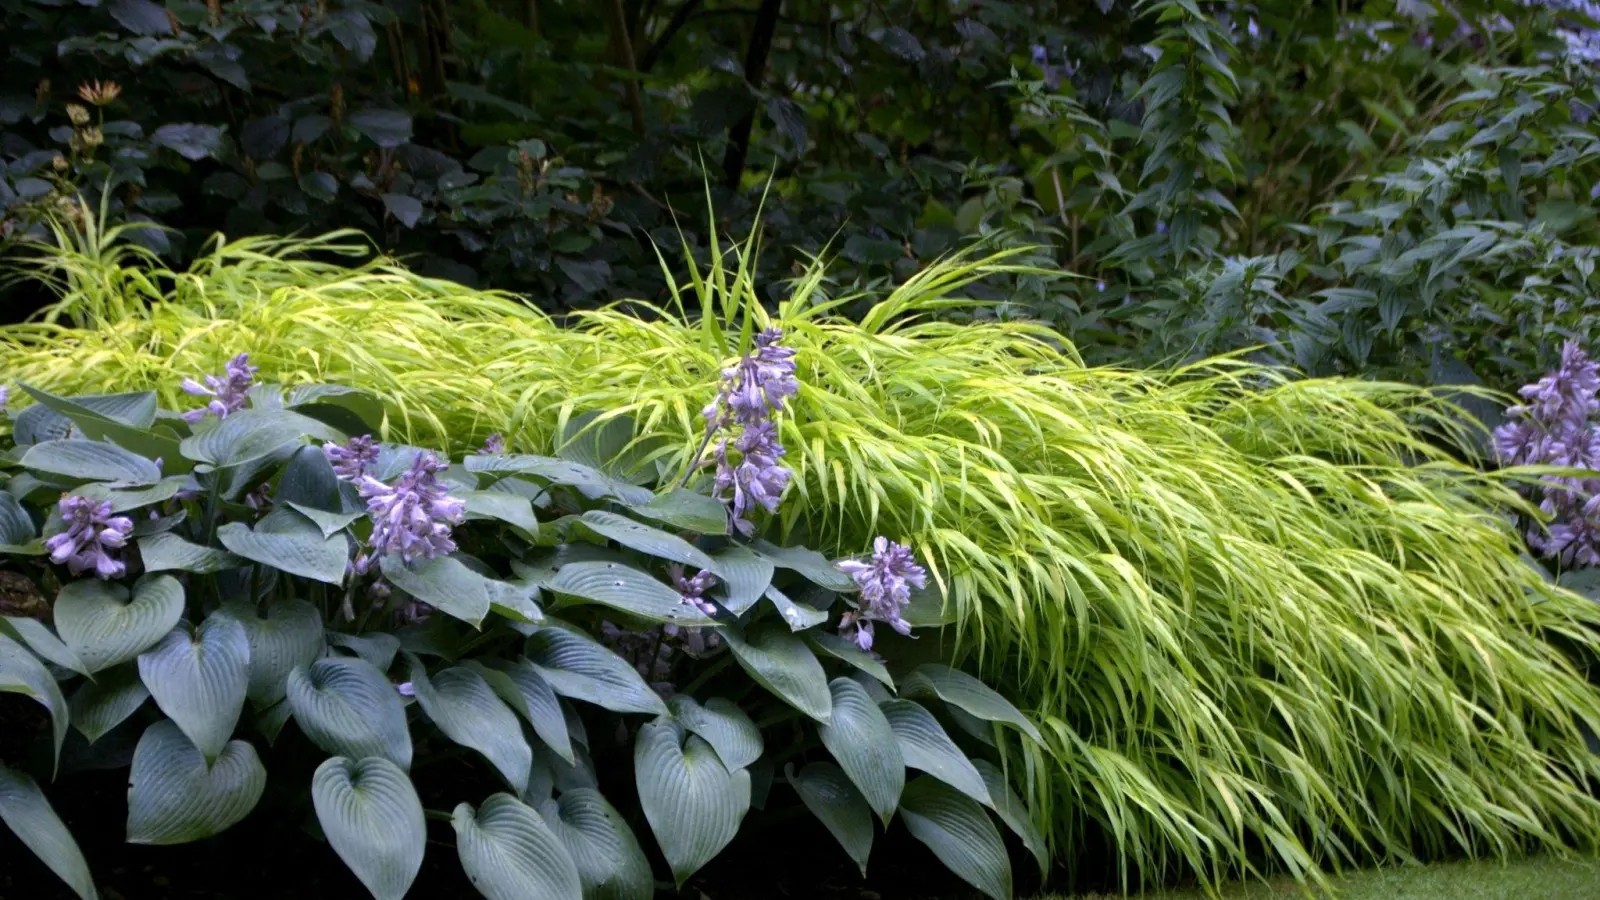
(686, 509)
(28, 814)
(501, 506)
(16, 526)
(468, 711)
(377, 648)
(961, 690)
(253, 435)
(593, 483)
(960, 833)
(860, 738)
(745, 574)
(809, 563)
(135, 409)
(346, 707)
(351, 410)
(1014, 812)
(845, 650)
(101, 705)
(611, 864)
(525, 690)
(509, 853)
(124, 419)
(37, 424)
(449, 585)
(166, 552)
(38, 637)
(289, 541)
(577, 666)
(200, 681)
(79, 460)
(122, 500)
(926, 746)
(290, 635)
(22, 673)
(270, 721)
(175, 798)
(797, 616)
(372, 818)
(646, 539)
(781, 663)
(103, 627)
(622, 587)
(308, 482)
(693, 803)
(835, 802)
(724, 726)
(329, 523)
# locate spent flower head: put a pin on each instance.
(412, 517)
(885, 581)
(691, 591)
(228, 393)
(91, 532)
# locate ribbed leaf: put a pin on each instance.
(16, 526)
(534, 699)
(782, 663)
(308, 482)
(511, 854)
(860, 738)
(926, 746)
(28, 814)
(447, 584)
(724, 725)
(270, 721)
(830, 796)
(377, 648)
(169, 552)
(253, 435)
(329, 523)
(122, 418)
(693, 803)
(289, 636)
(611, 864)
(623, 587)
(38, 637)
(813, 566)
(289, 541)
(961, 690)
(1013, 812)
(22, 673)
(592, 482)
(101, 705)
(646, 539)
(78, 460)
(797, 616)
(686, 509)
(959, 832)
(500, 506)
(199, 681)
(372, 818)
(103, 627)
(133, 498)
(845, 650)
(175, 798)
(745, 574)
(578, 667)
(346, 707)
(468, 711)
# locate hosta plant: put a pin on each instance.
(257, 560)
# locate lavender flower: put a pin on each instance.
(406, 689)
(691, 591)
(228, 394)
(412, 517)
(493, 445)
(757, 386)
(260, 499)
(91, 529)
(758, 479)
(752, 392)
(885, 582)
(351, 459)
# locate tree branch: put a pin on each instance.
(653, 54)
(624, 44)
(755, 66)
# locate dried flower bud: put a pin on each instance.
(79, 115)
(59, 163)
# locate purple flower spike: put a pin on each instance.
(493, 445)
(412, 517)
(752, 392)
(91, 530)
(691, 591)
(228, 394)
(351, 459)
(758, 479)
(757, 386)
(885, 582)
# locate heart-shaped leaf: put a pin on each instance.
(101, 705)
(169, 552)
(830, 796)
(693, 803)
(371, 816)
(468, 711)
(251, 436)
(308, 482)
(813, 566)
(1013, 812)
(846, 651)
(447, 584)
(200, 681)
(346, 707)
(38, 637)
(22, 673)
(960, 833)
(926, 746)
(175, 798)
(78, 460)
(511, 854)
(377, 648)
(500, 506)
(781, 663)
(686, 509)
(611, 864)
(646, 539)
(28, 814)
(288, 541)
(329, 523)
(289, 636)
(744, 573)
(968, 694)
(724, 725)
(123, 500)
(625, 588)
(578, 667)
(860, 738)
(97, 620)
(521, 686)
(16, 526)
(797, 616)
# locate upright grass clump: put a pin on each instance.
(1265, 623)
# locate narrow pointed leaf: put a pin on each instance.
(782, 664)
(509, 853)
(101, 705)
(175, 798)
(578, 667)
(1013, 812)
(103, 627)
(289, 636)
(846, 651)
(28, 814)
(38, 637)
(200, 681)
(960, 834)
(967, 693)
(862, 741)
(646, 539)
(346, 707)
(622, 587)
(372, 818)
(829, 794)
(537, 702)
(693, 803)
(926, 746)
(22, 673)
(468, 711)
(723, 725)
(611, 864)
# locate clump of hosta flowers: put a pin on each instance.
(653, 652)
(753, 391)
(351, 459)
(885, 581)
(411, 518)
(91, 533)
(1555, 427)
(228, 394)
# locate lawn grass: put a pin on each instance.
(1536, 878)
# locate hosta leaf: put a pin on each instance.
(80, 460)
(38, 637)
(103, 627)
(686, 509)
(593, 483)
(797, 616)
(289, 636)
(349, 409)
(578, 667)
(377, 648)
(16, 526)
(782, 664)
(329, 523)
(961, 690)
(123, 500)
(611, 864)
(200, 681)
(468, 711)
(101, 705)
(625, 588)
(168, 552)
(447, 584)
(346, 707)
(175, 798)
(860, 738)
(509, 853)
(252, 435)
(308, 482)
(289, 541)
(845, 650)
(271, 721)
(28, 814)
(1013, 812)
(745, 574)
(809, 563)
(372, 818)
(723, 725)
(536, 701)
(926, 746)
(959, 832)
(839, 806)
(135, 410)
(692, 802)
(22, 673)
(501, 506)
(646, 539)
